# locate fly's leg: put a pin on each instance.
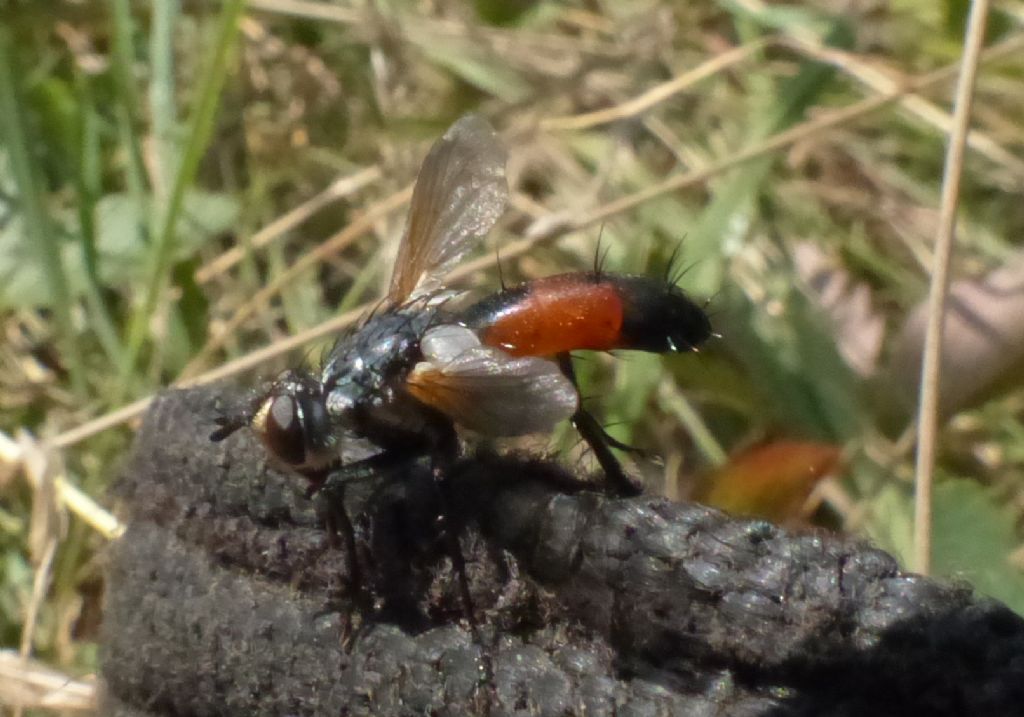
(340, 525)
(598, 439)
(445, 453)
(332, 483)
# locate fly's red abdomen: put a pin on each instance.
(550, 315)
(588, 310)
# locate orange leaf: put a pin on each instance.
(769, 480)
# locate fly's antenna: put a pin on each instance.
(227, 426)
(236, 417)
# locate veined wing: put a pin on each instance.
(486, 390)
(460, 193)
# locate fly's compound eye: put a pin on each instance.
(279, 424)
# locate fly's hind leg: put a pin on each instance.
(599, 441)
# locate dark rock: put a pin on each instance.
(226, 596)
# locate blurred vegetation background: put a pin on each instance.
(185, 183)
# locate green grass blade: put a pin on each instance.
(38, 223)
(123, 61)
(87, 181)
(161, 92)
(199, 132)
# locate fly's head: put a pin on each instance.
(290, 418)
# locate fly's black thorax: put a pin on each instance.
(364, 375)
(490, 309)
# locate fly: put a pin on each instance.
(418, 368)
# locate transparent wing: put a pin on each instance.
(486, 390)
(460, 193)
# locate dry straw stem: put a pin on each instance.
(46, 529)
(657, 94)
(330, 247)
(798, 132)
(931, 364)
(554, 229)
(873, 77)
(529, 48)
(80, 504)
(338, 189)
(28, 684)
(883, 80)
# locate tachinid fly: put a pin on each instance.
(419, 367)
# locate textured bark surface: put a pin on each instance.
(227, 597)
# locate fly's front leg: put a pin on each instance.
(334, 481)
(598, 439)
(332, 484)
(339, 524)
